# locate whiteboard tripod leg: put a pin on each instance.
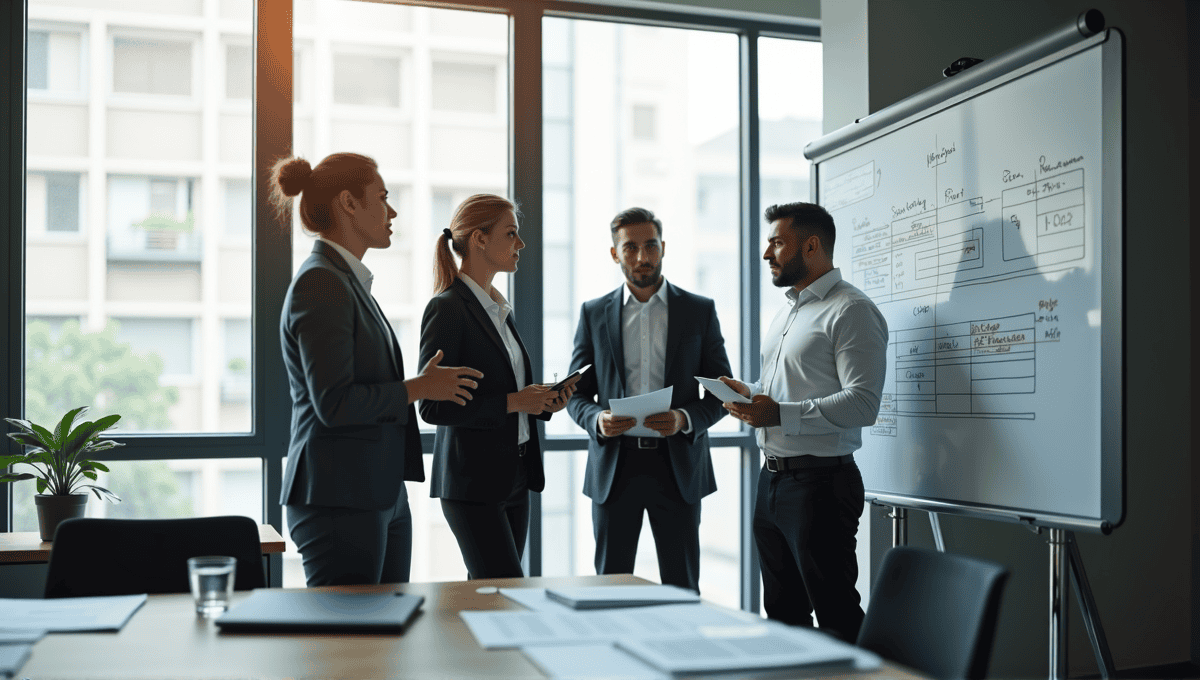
(937, 532)
(899, 526)
(1064, 552)
(1091, 616)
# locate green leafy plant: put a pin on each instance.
(165, 222)
(60, 458)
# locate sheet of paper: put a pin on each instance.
(604, 662)
(641, 406)
(600, 597)
(722, 391)
(13, 636)
(534, 599)
(767, 646)
(70, 614)
(12, 658)
(507, 630)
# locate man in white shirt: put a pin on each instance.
(646, 335)
(823, 365)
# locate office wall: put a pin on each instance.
(1144, 575)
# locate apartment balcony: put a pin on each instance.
(155, 245)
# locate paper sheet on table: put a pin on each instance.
(70, 614)
(534, 599)
(641, 406)
(604, 662)
(506, 630)
(722, 391)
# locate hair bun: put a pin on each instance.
(294, 176)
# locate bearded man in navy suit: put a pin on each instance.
(646, 335)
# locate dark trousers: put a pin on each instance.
(804, 527)
(491, 536)
(645, 485)
(348, 546)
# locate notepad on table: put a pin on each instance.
(301, 610)
(600, 597)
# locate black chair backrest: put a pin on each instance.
(127, 556)
(934, 612)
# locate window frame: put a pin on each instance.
(272, 42)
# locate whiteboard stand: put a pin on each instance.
(1064, 551)
(900, 528)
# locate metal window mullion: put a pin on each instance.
(272, 251)
(748, 168)
(525, 186)
(12, 212)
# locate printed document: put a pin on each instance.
(641, 406)
(722, 391)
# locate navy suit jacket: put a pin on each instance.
(695, 347)
(354, 434)
(475, 448)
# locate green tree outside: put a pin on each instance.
(96, 369)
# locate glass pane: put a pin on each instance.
(137, 223)
(163, 489)
(438, 136)
(637, 116)
(790, 112)
(569, 545)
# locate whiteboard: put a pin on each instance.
(986, 227)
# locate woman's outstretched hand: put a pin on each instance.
(442, 383)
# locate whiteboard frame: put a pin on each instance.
(971, 83)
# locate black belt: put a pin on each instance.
(641, 443)
(522, 448)
(803, 462)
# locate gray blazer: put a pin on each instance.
(695, 347)
(355, 437)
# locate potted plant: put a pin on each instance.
(61, 465)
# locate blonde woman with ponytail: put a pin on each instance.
(354, 437)
(487, 454)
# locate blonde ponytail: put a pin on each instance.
(478, 212)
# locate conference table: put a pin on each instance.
(165, 639)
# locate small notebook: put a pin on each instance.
(600, 597)
(310, 610)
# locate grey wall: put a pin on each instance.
(1143, 575)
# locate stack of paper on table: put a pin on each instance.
(656, 642)
(15, 647)
(603, 597)
(69, 614)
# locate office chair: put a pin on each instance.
(127, 556)
(934, 612)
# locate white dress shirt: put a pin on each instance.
(498, 310)
(644, 343)
(365, 277)
(824, 361)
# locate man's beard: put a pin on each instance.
(791, 273)
(643, 280)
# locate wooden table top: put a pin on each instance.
(164, 639)
(27, 547)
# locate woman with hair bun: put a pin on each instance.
(354, 437)
(487, 455)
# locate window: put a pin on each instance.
(239, 207)
(682, 77)
(366, 80)
(164, 342)
(467, 88)
(152, 66)
(53, 200)
(152, 218)
(238, 71)
(54, 61)
(643, 122)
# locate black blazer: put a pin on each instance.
(475, 448)
(354, 435)
(695, 347)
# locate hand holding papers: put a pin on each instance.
(722, 391)
(641, 406)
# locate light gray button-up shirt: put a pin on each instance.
(824, 360)
(498, 310)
